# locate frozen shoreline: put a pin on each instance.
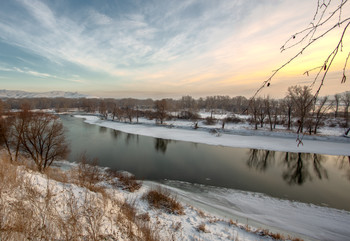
(276, 141)
(307, 221)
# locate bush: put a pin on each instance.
(233, 119)
(201, 228)
(188, 115)
(210, 121)
(88, 173)
(161, 199)
(125, 181)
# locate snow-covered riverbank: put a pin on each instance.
(232, 137)
(306, 220)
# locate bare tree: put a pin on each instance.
(161, 107)
(288, 106)
(261, 111)
(270, 110)
(320, 112)
(1, 108)
(43, 139)
(103, 109)
(6, 134)
(11, 131)
(327, 19)
(336, 100)
(129, 113)
(346, 101)
(254, 112)
(302, 100)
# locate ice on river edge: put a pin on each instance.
(309, 221)
(276, 141)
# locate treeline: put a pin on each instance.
(302, 109)
(299, 109)
(235, 104)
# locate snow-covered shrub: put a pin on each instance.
(161, 198)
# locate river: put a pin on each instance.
(305, 177)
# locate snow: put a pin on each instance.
(213, 207)
(306, 221)
(302, 220)
(168, 226)
(234, 136)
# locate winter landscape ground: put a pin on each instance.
(74, 201)
(303, 220)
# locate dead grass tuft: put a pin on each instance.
(201, 228)
(57, 174)
(161, 198)
(125, 181)
(275, 236)
(9, 178)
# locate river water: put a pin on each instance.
(309, 178)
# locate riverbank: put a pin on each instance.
(69, 203)
(232, 136)
(310, 221)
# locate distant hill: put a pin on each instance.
(18, 94)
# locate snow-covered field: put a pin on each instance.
(233, 135)
(304, 220)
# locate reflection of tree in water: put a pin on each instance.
(128, 138)
(343, 163)
(116, 134)
(298, 167)
(260, 159)
(161, 144)
(297, 171)
(318, 168)
(102, 129)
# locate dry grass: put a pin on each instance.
(275, 236)
(138, 226)
(9, 178)
(125, 181)
(87, 173)
(57, 174)
(29, 212)
(201, 228)
(161, 198)
(200, 213)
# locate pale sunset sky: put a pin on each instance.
(160, 48)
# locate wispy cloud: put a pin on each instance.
(27, 71)
(158, 44)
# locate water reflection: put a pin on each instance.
(161, 144)
(129, 137)
(318, 179)
(297, 165)
(343, 163)
(102, 129)
(297, 170)
(320, 171)
(260, 159)
(116, 134)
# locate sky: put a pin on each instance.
(159, 48)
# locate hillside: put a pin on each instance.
(18, 94)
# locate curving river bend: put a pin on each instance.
(310, 178)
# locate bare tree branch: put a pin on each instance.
(320, 19)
